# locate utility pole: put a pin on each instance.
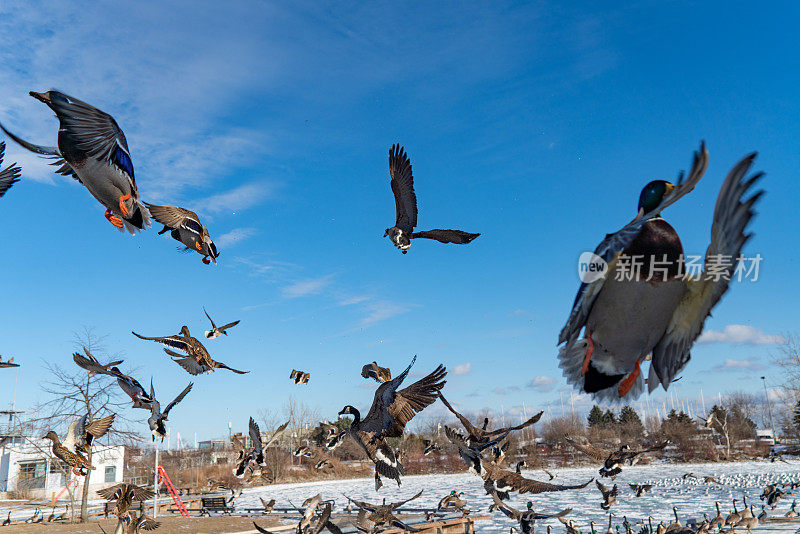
(769, 407)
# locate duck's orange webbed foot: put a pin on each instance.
(122, 208)
(116, 221)
(627, 383)
(589, 351)
(197, 245)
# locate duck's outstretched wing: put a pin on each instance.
(99, 427)
(176, 217)
(509, 511)
(92, 130)
(396, 505)
(229, 325)
(50, 152)
(223, 366)
(261, 529)
(613, 244)
(403, 188)
(732, 214)
(204, 308)
(176, 342)
(459, 237)
(188, 363)
(10, 175)
(178, 399)
(275, 435)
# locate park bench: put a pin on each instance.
(216, 505)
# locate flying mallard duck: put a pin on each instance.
(479, 436)
(650, 305)
(390, 412)
(128, 384)
(10, 175)
(256, 453)
(268, 506)
(299, 377)
(613, 460)
(93, 150)
(82, 433)
(609, 495)
(429, 447)
(405, 200)
(157, 417)
(452, 501)
(496, 478)
(8, 363)
(125, 494)
(142, 522)
(185, 227)
(525, 518)
(217, 331)
(80, 465)
(382, 515)
(198, 360)
(376, 372)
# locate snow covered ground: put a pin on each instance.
(692, 497)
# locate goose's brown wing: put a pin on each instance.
(613, 244)
(396, 505)
(504, 478)
(590, 450)
(526, 424)
(469, 427)
(403, 188)
(411, 400)
(512, 513)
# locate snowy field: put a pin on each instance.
(692, 497)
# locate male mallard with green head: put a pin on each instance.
(644, 303)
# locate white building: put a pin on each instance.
(26, 466)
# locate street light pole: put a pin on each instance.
(769, 406)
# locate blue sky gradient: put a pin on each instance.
(534, 124)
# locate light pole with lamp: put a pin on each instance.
(769, 408)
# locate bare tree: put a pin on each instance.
(74, 393)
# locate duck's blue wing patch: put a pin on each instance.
(122, 160)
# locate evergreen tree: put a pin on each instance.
(796, 418)
(595, 419)
(630, 421)
(609, 419)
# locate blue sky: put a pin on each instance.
(534, 124)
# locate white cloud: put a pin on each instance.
(730, 364)
(542, 384)
(237, 235)
(462, 369)
(739, 333)
(237, 199)
(303, 288)
(381, 310)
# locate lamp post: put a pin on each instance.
(769, 407)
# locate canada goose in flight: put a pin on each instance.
(429, 447)
(391, 410)
(499, 452)
(613, 459)
(609, 495)
(217, 331)
(479, 436)
(382, 515)
(8, 363)
(10, 175)
(640, 489)
(82, 433)
(496, 478)
(157, 417)
(198, 360)
(255, 454)
(376, 372)
(125, 494)
(299, 377)
(185, 227)
(627, 317)
(525, 518)
(93, 150)
(405, 200)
